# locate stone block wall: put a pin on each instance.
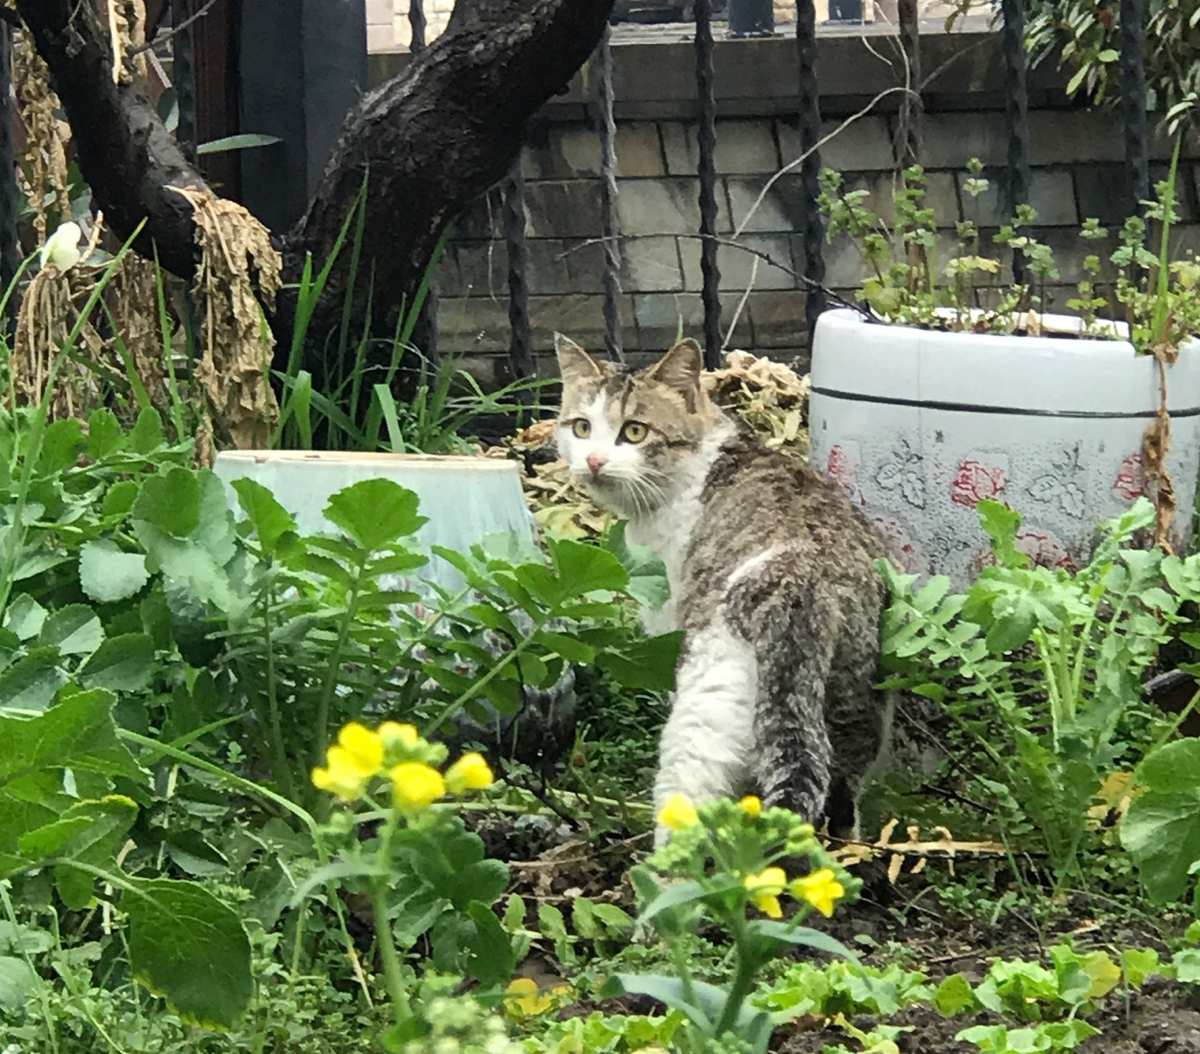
(1077, 172)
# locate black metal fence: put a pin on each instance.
(755, 17)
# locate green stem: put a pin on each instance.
(335, 661)
(743, 978)
(279, 758)
(42, 987)
(384, 937)
(1182, 716)
(487, 678)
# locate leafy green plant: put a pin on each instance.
(1048, 660)
(722, 861)
(1085, 38)
(907, 284)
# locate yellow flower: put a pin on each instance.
(470, 772)
(524, 999)
(678, 812)
(750, 805)
(340, 778)
(395, 734)
(821, 889)
(416, 786)
(765, 888)
(363, 747)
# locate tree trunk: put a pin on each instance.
(430, 141)
(125, 153)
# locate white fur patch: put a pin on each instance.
(708, 743)
(749, 567)
(669, 529)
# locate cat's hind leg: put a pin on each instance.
(708, 742)
(790, 618)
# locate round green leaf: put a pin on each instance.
(188, 947)
(108, 575)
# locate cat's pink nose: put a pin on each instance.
(596, 462)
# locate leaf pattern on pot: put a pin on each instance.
(903, 473)
(1058, 487)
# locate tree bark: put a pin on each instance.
(430, 141)
(440, 134)
(125, 153)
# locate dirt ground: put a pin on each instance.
(1162, 1018)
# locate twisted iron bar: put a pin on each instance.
(419, 24)
(1016, 112)
(912, 109)
(10, 260)
(520, 349)
(810, 169)
(425, 334)
(1133, 100)
(707, 139)
(608, 199)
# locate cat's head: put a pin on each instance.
(630, 436)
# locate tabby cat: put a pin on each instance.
(772, 583)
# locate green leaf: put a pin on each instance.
(198, 569)
(584, 568)
(32, 682)
(76, 734)
(120, 498)
(570, 648)
(104, 434)
(1001, 524)
(800, 936)
(108, 575)
(61, 444)
(269, 519)
(492, 961)
(375, 512)
(681, 893)
(188, 947)
(1108, 55)
(1161, 830)
(72, 630)
(953, 995)
(244, 141)
(645, 664)
(171, 502)
(89, 832)
(1138, 964)
(648, 583)
(17, 983)
(25, 617)
(122, 664)
(710, 1000)
(147, 434)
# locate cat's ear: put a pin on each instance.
(574, 364)
(680, 367)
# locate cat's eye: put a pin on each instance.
(634, 432)
(581, 428)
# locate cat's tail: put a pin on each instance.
(790, 618)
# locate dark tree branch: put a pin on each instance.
(125, 153)
(440, 134)
(156, 39)
(432, 139)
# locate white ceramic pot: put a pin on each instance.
(919, 426)
(465, 499)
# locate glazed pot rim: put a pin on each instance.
(375, 459)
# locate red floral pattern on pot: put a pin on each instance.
(840, 468)
(1130, 483)
(974, 481)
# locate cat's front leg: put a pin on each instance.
(707, 745)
